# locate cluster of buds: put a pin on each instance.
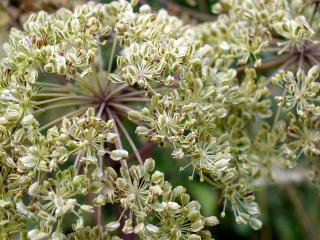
(204, 91)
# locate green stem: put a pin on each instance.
(268, 64)
(120, 106)
(117, 90)
(118, 142)
(74, 114)
(130, 141)
(87, 86)
(114, 45)
(50, 95)
(60, 99)
(133, 99)
(279, 110)
(68, 104)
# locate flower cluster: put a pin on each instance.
(158, 210)
(48, 166)
(233, 99)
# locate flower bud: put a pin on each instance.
(152, 228)
(142, 131)
(139, 228)
(18, 135)
(145, 9)
(57, 236)
(37, 235)
(135, 116)
(12, 114)
(197, 226)
(75, 25)
(49, 68)
(127, 227)
(157, 177)
(134, 2)
(185, 198)
(100, 200)
(173, 206)
(61, 65)
(121, 183)
(111, 172)
(87, 208)
(33, 189)
(119, 154)
(255, 223)
(111, 137)
(188, 108)
(241, 220)
(169, 81)
(211, 221)
(177, 153)
(112, 226)
(194, 237)
(29, 121)
(194, 215)
(149, 164)
(135, 172)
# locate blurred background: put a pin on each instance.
(290, 206)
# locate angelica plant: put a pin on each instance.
(206, 92)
